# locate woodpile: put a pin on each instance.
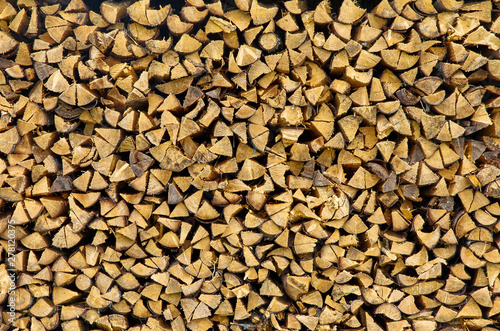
(266, 166)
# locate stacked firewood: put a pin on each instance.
(281, 166)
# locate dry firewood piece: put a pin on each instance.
(19, 24)
(384, 10)
(287, 23)
(428, 85)
(247, 55)
(262, 13)
(141, 33)
(177, 26)
(113, 12)
(296, 7)
(398, 60)
(362, 179)
(448, 5)
(177, 86)
(141, 13)
(192, 14)
(8, 140)
(407, 98)
(57, 83)
(426, 7)
(322, 14)
(482, 37)
(427, 62)
(22, 298)
(187, 44)
(77, 95)
(8, 44)
(349, 13)
(268, 41)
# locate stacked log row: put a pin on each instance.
(262, 166)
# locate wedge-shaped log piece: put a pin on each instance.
(247, 55)
(8, 140)
(251, 170)
(262, 13)
(384, 10)
(66, 237)
(187, 44)
(296, 286)
(398, 60)
(177, 26)
(175, 87)
(175, 160)
(482, 37)
(349, 13)
(8, 44)
(113, 12)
